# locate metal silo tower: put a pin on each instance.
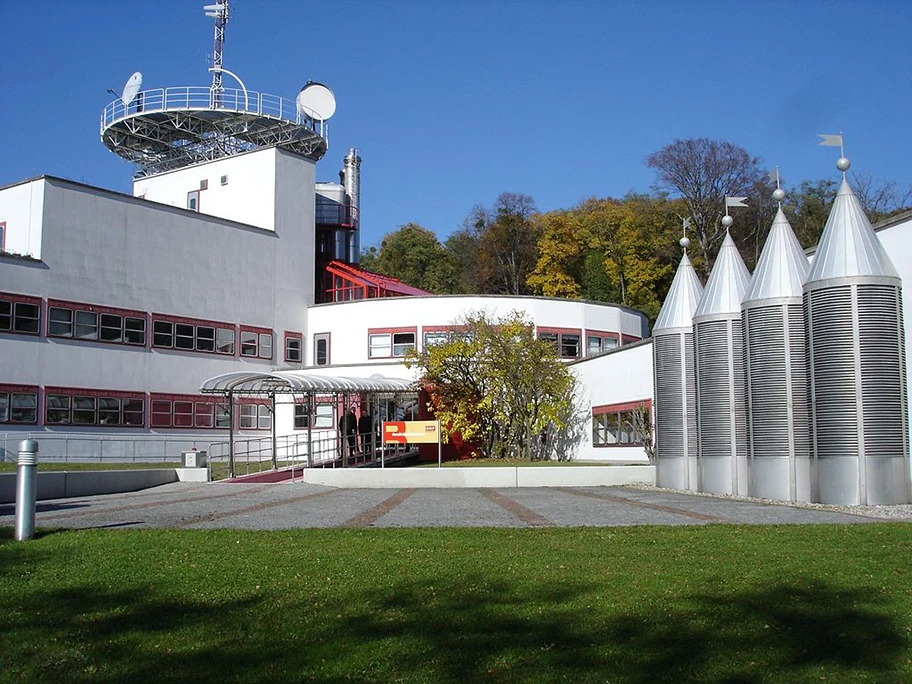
(675, 381)
(778, 436)
(721, 410)
(853, 311)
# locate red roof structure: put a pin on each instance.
(346, 282)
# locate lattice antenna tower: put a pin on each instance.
(220, 13)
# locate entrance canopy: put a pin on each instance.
(297, 382)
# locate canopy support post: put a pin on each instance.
(230, 435)
(275, 460)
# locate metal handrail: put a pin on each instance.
(199, 98)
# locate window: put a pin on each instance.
(91, 323)
(301, 417)
(255, 417)
(402, 343)
(18, 404)
(600, 342)
(621, 425)
(20, 314)
(204, 185)
(566, 343)
(190, 335)
(386, 343)
(2, 236)
(321, 349)
(193, 199)
(187, 412)
(432, 338)
(379, 345)
(323, 416)
(224, 180)
(256, 342)
(293, 347)
(97, 408)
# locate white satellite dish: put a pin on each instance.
(134, 83)
(316, 101)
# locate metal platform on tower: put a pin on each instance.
(170, 128)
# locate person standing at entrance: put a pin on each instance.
(350, 429)
(365, 430)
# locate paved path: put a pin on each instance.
(299, 505)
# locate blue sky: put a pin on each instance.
(452, 103)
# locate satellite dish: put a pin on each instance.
(134, 83)
(316, 101)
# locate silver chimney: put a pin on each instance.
(351, 180)
(857, 373)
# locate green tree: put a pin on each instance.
(500, 388)
(415, 256)
(462, 251)
(507, 244)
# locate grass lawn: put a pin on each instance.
(57, 466)
(713, 603)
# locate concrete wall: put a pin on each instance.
(22, 209)
(248, 196)
(617, 377)
(61, 485)
(543, 476)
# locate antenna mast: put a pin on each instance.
(219, 12)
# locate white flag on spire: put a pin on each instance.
(834, 140)
(735, 202)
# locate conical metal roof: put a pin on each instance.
(681, 300)
(727, 283)
(848, 246)
(782, 268)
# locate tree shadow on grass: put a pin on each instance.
(477, 630)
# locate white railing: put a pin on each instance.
(198, 98)
(113, 448)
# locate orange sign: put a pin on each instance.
(411, 431)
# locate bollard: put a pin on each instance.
(26, 489)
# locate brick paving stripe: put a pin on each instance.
(525, 515)
(374, 513)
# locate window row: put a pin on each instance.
(84, 410)
(621, 428)
(18, 407)
(90, 323)
(387, 344)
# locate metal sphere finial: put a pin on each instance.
(684, 242)
(778, 194)
(727, 221)
(843, 164)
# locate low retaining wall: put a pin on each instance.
(500, 478)
(61, 485)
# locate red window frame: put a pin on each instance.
(252, 401)
(618, 409)
(2, 236)
(196, 323)
(100, 311)
(259, 331)
(629, 339)
(291, 335)
(14, 299)
(95, 394)
(604, 335)
(322, 336)
(548, 330)
(392, 332)
(184, 411)
(22, 389)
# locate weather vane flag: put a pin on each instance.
(835, 140)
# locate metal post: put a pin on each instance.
(26, 489)
(230, 435)
(310, 420)
(275, 461)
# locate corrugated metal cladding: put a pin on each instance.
(858, 387)
(777, 401)
(720, 397)
(675, 409)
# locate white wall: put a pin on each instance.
(22, 208)
(249, 196)
(348, 322)
(617, 377)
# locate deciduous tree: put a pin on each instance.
(499, 387)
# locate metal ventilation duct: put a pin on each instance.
(675, 382)
(721, 409)
(856, 352)
(778, 414)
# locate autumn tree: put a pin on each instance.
(501, 388)
(703, 172)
